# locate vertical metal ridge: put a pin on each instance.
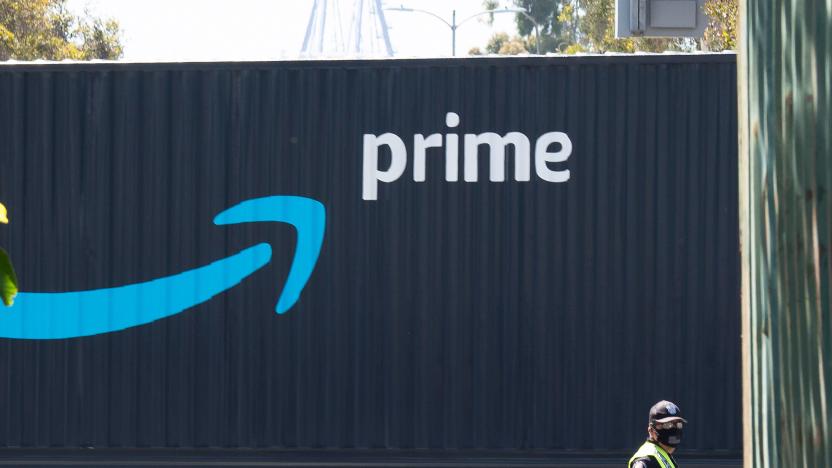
(785, 97)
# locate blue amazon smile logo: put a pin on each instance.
(49, 316)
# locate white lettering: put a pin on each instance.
(542, 156)
(372, 174)
(451, 149)
(497, 146)
(451, 157)
(497, 159)
(420, 145)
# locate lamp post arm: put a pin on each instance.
(453, 26)
(425, 12)
(483, 13)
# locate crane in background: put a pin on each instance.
(365, 35)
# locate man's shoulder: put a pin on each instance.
(645, 462)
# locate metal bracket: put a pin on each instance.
(660, 18)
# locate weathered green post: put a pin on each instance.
(785, 79)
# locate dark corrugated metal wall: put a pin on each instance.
(443, 315)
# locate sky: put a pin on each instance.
(238, 30)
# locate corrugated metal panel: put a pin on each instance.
(514, 315)
(786, 225)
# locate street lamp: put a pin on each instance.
(454, 25)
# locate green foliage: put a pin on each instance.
(557, 20)
(513, 47)
(543, 11)
(573, 49)
(547, 44)
(495, 42)
(501, 43)
(490, 5)
(721, 33)
(557, 27)
(8, 279)
(598, 27)
(570, 26)
(44, 29)
(100, 39)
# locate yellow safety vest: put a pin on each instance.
(649, 449)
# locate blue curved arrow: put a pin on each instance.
(43, 315)
(308, 216)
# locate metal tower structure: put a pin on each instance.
(360, 30)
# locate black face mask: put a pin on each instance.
(670, 437)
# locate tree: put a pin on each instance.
(598, 27)
(553, 33)
(589, 25)
(721, 33)
(547, 14)
(45, 29)
(502, 44)
(575, 26)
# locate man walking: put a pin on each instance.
(664, 433)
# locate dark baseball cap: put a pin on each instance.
(666, 411)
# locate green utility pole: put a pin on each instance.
(785, 97)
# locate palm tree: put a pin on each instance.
(8, 279)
